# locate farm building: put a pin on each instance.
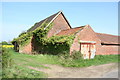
(85, 40)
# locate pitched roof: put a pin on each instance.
(108, 39)
(48, 19)
(70, 31)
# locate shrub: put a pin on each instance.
(76, 55)
(64, 55)
(6, 58)
(71, 60)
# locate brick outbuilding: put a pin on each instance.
(86, 40)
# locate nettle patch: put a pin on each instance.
(43, 44)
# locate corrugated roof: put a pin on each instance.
(108, 39)
(70, 31)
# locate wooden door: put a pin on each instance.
(88, 50)
(93, 51)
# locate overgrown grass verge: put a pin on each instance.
(19, 69)
(22, 61)
(0, 61)
(21, 72)
(99, 59)
(38, 60)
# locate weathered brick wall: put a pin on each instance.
(58, 24)
(75, 46)
(49, 49)
(26, 49)
(87, 34)
(108, 49)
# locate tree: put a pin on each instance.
(4, 43)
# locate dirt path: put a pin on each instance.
(56, 71)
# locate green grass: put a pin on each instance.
(22, 72)
(0, 61)
(34, 60)
(22, 61)
(20, 67)
(0, 70)
(38, 60)
(99, 59)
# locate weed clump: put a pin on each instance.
(7, 60)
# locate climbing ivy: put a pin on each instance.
(43, 44)
(26, 37)
(23, 39)
(56, 44)
(59, 39)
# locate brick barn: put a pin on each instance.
(86, 39)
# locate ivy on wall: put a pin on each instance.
(23, 39)
(54, 44)
(26, 37)
(43, 44)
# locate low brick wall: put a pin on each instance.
(107, 50)
(26, 49)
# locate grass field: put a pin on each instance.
(20, 68)
(0, 62)
(38, 60)
(22, 61)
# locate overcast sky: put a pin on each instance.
(20, 16)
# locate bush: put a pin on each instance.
(76, 55)
(64, 55)
(4, 43)
(6, 58)
(0, 62)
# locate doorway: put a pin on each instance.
(88, 50)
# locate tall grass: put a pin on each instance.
(10, 70)
(64, 60)
(22, 72)
(0, 61)
(99, 59)
(7, 60)
(21, 62)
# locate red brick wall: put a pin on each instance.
(26, 49)
(58, 24)
(75, 46)
(87, 34)
(108, 49)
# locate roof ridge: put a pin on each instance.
(70, 31)
(56, 15)
(78, 27)
(48, 17)
(106, 34)
(74, 28)
(37, 24)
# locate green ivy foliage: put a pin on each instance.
(23, 38)
(38, 33)
(66, 40)
(54, 44)
(43, 44)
